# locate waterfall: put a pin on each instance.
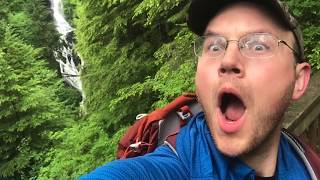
(70, 64)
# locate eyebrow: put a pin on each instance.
(259, 30)
(210, 33)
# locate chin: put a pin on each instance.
(230, 152)
(231, 147)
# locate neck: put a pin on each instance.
(264, 159)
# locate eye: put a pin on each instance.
(214, 47)
(256, 46)
(259, 47)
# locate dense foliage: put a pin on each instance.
(308, 14)
(31, 108)
(137, 56)
(129, 62)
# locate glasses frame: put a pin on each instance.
(279, 41)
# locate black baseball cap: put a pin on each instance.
(202, 11)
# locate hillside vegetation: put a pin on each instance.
(137, 56)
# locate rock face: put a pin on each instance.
(303, 116)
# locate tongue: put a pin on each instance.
(234, 111)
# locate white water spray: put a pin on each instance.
(69, 69)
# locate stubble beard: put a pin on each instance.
(270, 122)
(271, 125)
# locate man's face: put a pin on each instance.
(244, 98)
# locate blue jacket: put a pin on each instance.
(197, 158)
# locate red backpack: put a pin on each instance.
(162, 125)
(153, 129)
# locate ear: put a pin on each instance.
(303, 71)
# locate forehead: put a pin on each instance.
(243, 18)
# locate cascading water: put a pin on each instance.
(70, 64)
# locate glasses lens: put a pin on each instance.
(258, 45)
(210, 46)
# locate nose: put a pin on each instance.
(231, 62)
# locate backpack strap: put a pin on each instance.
(170, 127)
(309, 157)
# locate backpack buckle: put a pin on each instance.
(135, 146)
(183, 116)
(184, 113)
(138, 147)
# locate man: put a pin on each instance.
(250, 67)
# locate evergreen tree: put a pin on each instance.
(138, 56)
(29, 108)
(33, 22)
(33, 102)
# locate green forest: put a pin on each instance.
(137, 56)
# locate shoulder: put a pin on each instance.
(195, 129)
(195, 146)
(160, 164)
(305, 151)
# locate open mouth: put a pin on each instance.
(231, 106)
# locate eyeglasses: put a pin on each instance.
(253, 45)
